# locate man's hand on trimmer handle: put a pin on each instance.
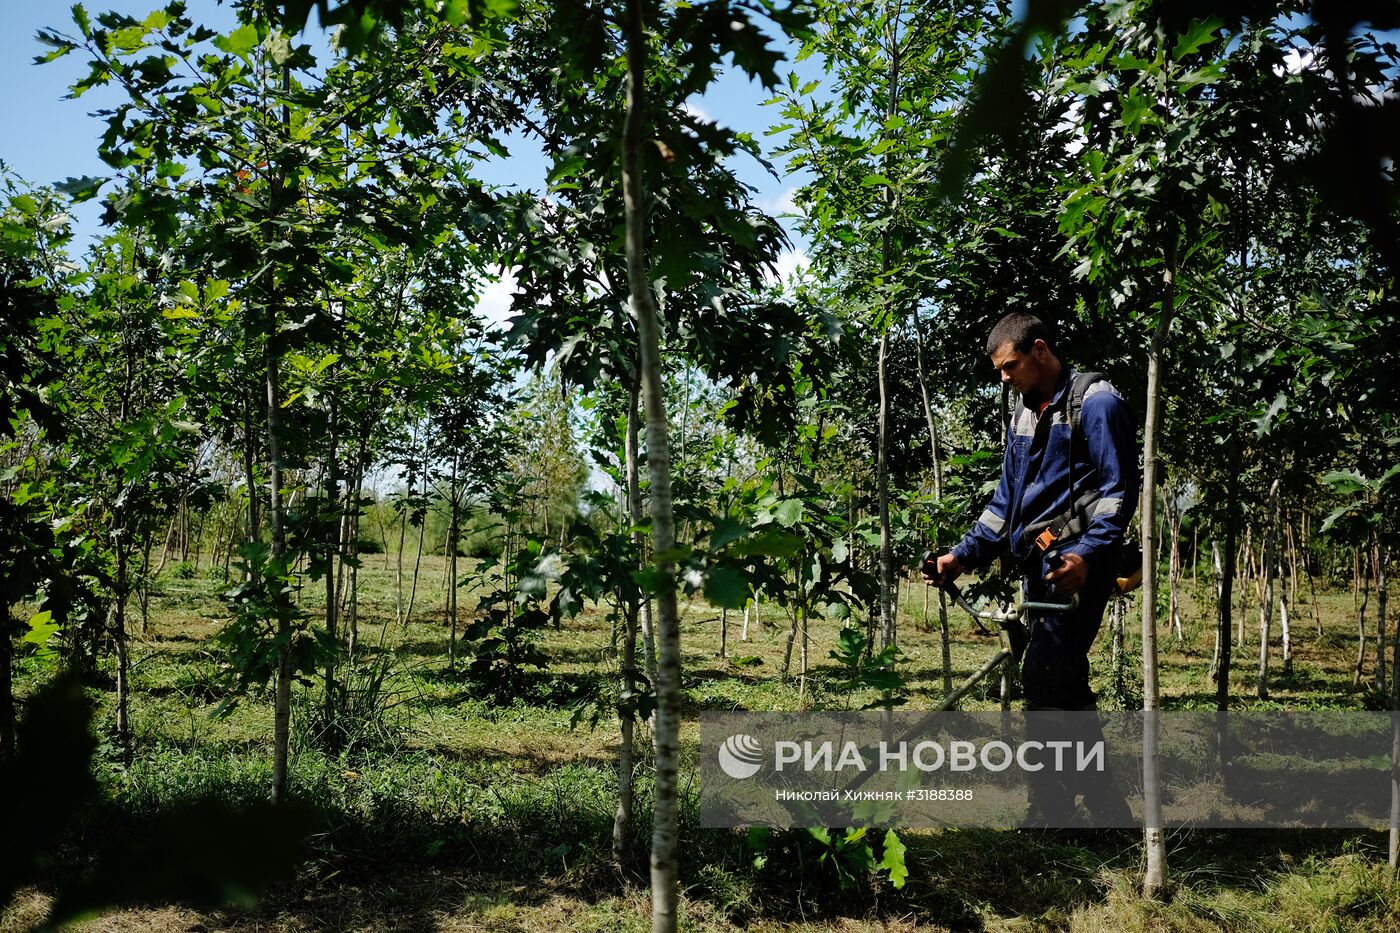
(941, 570)
(1067, 572)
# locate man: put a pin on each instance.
(1065, 498)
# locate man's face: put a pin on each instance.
(1026, 372)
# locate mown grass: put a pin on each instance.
(473, 813)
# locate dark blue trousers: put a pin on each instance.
(1055, 676)
(1055, 669)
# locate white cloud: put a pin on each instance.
(494, 303)
(784, 203)
(790, 262)
(696, 111)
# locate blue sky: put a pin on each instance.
(48, 139)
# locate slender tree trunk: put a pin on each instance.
(724, 633)
(169, 537)
(1155, 877)
(1356, 578)
(1174, 571)
(1223, 602)
(888, 634)
(199, 540)
(634, 504)
(802, 676)
(121, 528)
(665, 828)
(1268, 565)
(882, 485)
(218, 537)
(1215, 571)
(1364, 582)
(399, 616)
(1381, 607)
(330, 497)
(454, 515)
(791, 640)
(1312, 581)
(944, 636)
(417, 568)
(627, 713)
(1292, 561)
(282, 711)
(119, 639)
(1243, 583)
(144, 586)
(1195, 555)
(352, 612)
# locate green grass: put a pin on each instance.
(472, 813)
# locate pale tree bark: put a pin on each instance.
(282, 705)
(122, 589)
(882, 492)
(331, 494)
(944, 635)
(1268, 566)
(786, 669)
(1382, 598)
(1225, 574)
(665, 828)
(1155, 876)
(1364, 583)
(888, 633)
(453, 529)
(1118, 609)
(119, 639)
(418, 557)
(399, 616)
(622, 818)
(1292, 542)
(1219, 583)
(1312, 581)
(1246, 559)
(634, 505)
(1174, 566)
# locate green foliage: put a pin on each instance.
(509, 618)
(845, 855)
(263, 624)
(862, 668)
(363, 714)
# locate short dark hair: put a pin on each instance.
(1021, 329)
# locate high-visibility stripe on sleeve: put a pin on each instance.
(992, 520)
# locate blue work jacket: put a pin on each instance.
(1035, 479)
